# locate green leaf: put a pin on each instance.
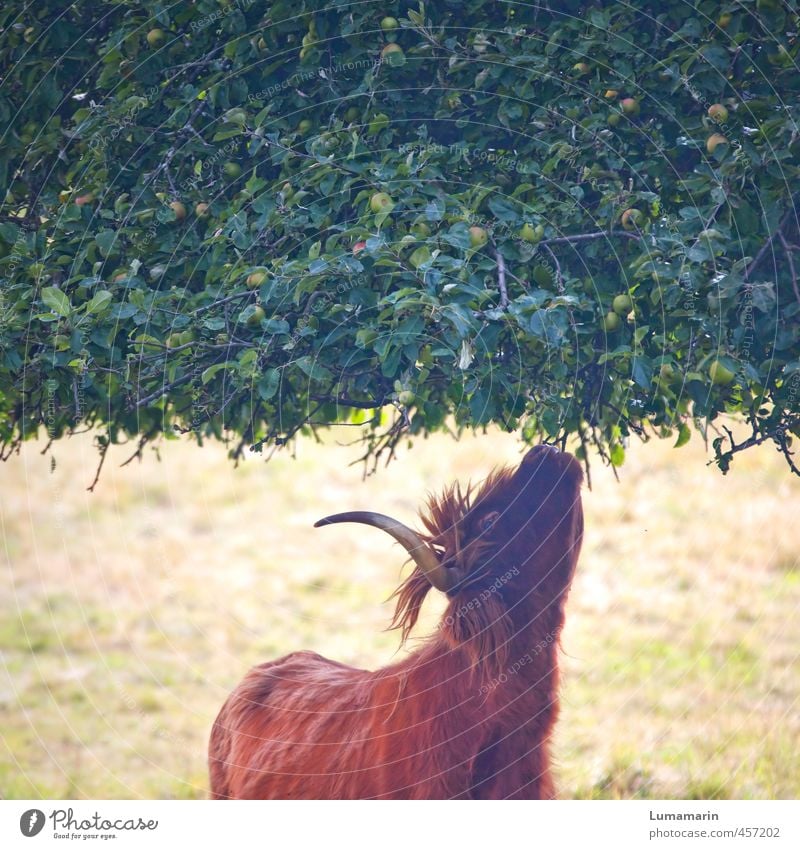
(267, 386)
(684, 435)
(208, 374)
(435, 209)
(56, 300)
(458, 236)
(105, 241)
(420, 256)
(101, 301)
(642, 372)
(313, 368)
(505, 210)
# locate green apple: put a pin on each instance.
(380, 202)
(531, 234)
(232, 170)
(256, 317)
(393, 55)
(478, 237)
(720, 375)
(666, 374)
(179, 209)
(714, 141)
(421, 229)
(717, 112)
(201, 210)
(622, 304)
(156, 37)
(632, 219)
(611, 322)
(389, 23)
(255, 279)
(630, 106)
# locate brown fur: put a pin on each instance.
(470, 713)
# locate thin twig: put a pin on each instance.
(165, 389)
(783, 447)
(765, 247)
(750, 442)
(350, 402)
(523, 283)
(792, 270)
(636, 428)
(585, 237)
(501, 279)
(584, 446)
(103, 452)
(138, 452)
(559, 275)
(233, 297)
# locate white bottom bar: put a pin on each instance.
(398, 825)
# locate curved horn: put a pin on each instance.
(423, 555)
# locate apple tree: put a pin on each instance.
(245, 219)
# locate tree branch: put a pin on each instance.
(501, 279)
(787, 249)
(559, 275)
(142, 402)
(103, 451)
(137, 454)
(585, 237)
(776, 434)
(765, 247)
(234, 297)
(350, 402)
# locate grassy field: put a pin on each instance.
(128, 615)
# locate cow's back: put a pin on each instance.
(288, 729)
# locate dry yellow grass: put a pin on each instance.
(129, 614)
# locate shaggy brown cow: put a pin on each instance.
(468, 715)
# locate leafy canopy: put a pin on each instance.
(250, 219)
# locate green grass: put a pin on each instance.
(128, 615)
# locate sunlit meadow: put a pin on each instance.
(128, 614)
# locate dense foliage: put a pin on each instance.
(246, 219)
